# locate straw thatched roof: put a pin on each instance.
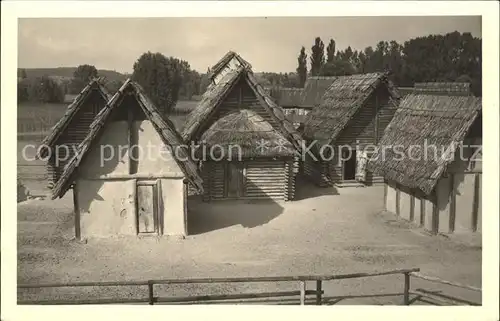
(307, 97)
(224, 61)
(163, 126)
(342, 100)
(314, 90)
(288, 97)
(245, 134)
(216, 94)
(443, 88)
(424, 120)
(92, 88)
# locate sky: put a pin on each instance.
(269, 44)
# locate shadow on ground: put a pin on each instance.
(305, 189)
(204, 217)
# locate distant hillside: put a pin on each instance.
(67, 72)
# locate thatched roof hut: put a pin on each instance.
(199, 118)
(424, 120)
(93, 91)
(237, 110)
(254, 136)
(169, 136)
(345, 96)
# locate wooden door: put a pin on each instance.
(147, 209)
(234, 180)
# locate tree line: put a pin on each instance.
(453, 57)
(165, 79)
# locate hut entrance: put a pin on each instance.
(349, 170)
(147, 205)
(234, 180)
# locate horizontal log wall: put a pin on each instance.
(266, 179)
(263, 179)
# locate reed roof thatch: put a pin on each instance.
(224, 61)
(164, 127)
(216, 94)
(94, 87)
(419, 122)
(443, 88)
(244, 134)
(342, 100)
(307, 97)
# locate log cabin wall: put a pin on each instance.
(262, 179)
(74, 134)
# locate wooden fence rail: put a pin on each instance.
(303, 293)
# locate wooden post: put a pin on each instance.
(302, 292)
(398, 199)
(453, 210)
(151, 293)
(475, 204)
(407, 289)
(318, 292)
(76, 206)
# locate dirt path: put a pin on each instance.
(322, 234)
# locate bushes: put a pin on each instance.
(40, 89)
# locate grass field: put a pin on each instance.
(321, 233)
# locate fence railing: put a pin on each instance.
(305, 295)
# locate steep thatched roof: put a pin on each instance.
(342, 100)
(288, 97)
(307, 97)
(163, 126)
(94, 87)
(224, 61)
(314, 89)
(216, 94)
(245, 134)
(424, 120)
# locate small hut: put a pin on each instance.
(345, 127)
(60, 144)
(298, 102)
(130, 173)
(435, 179)
(235, 110)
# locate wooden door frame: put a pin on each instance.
(157, 222)
(344, 162)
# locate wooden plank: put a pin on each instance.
(319, 292)
(412, 206)
(146, 218)
(302, 292)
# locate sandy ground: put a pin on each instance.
(326, 231)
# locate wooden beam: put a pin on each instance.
(76, 207)
(398, 199)
(130, 140)
(475, 202)
(302, 292)
(453, 204)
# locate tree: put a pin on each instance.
(317, 56)
(160, 78)
(21, 73)
(302, 67)
(337, 68)
(82, 76)
(113, 85)
(330, 51)
(45, 90)
(22, 90)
